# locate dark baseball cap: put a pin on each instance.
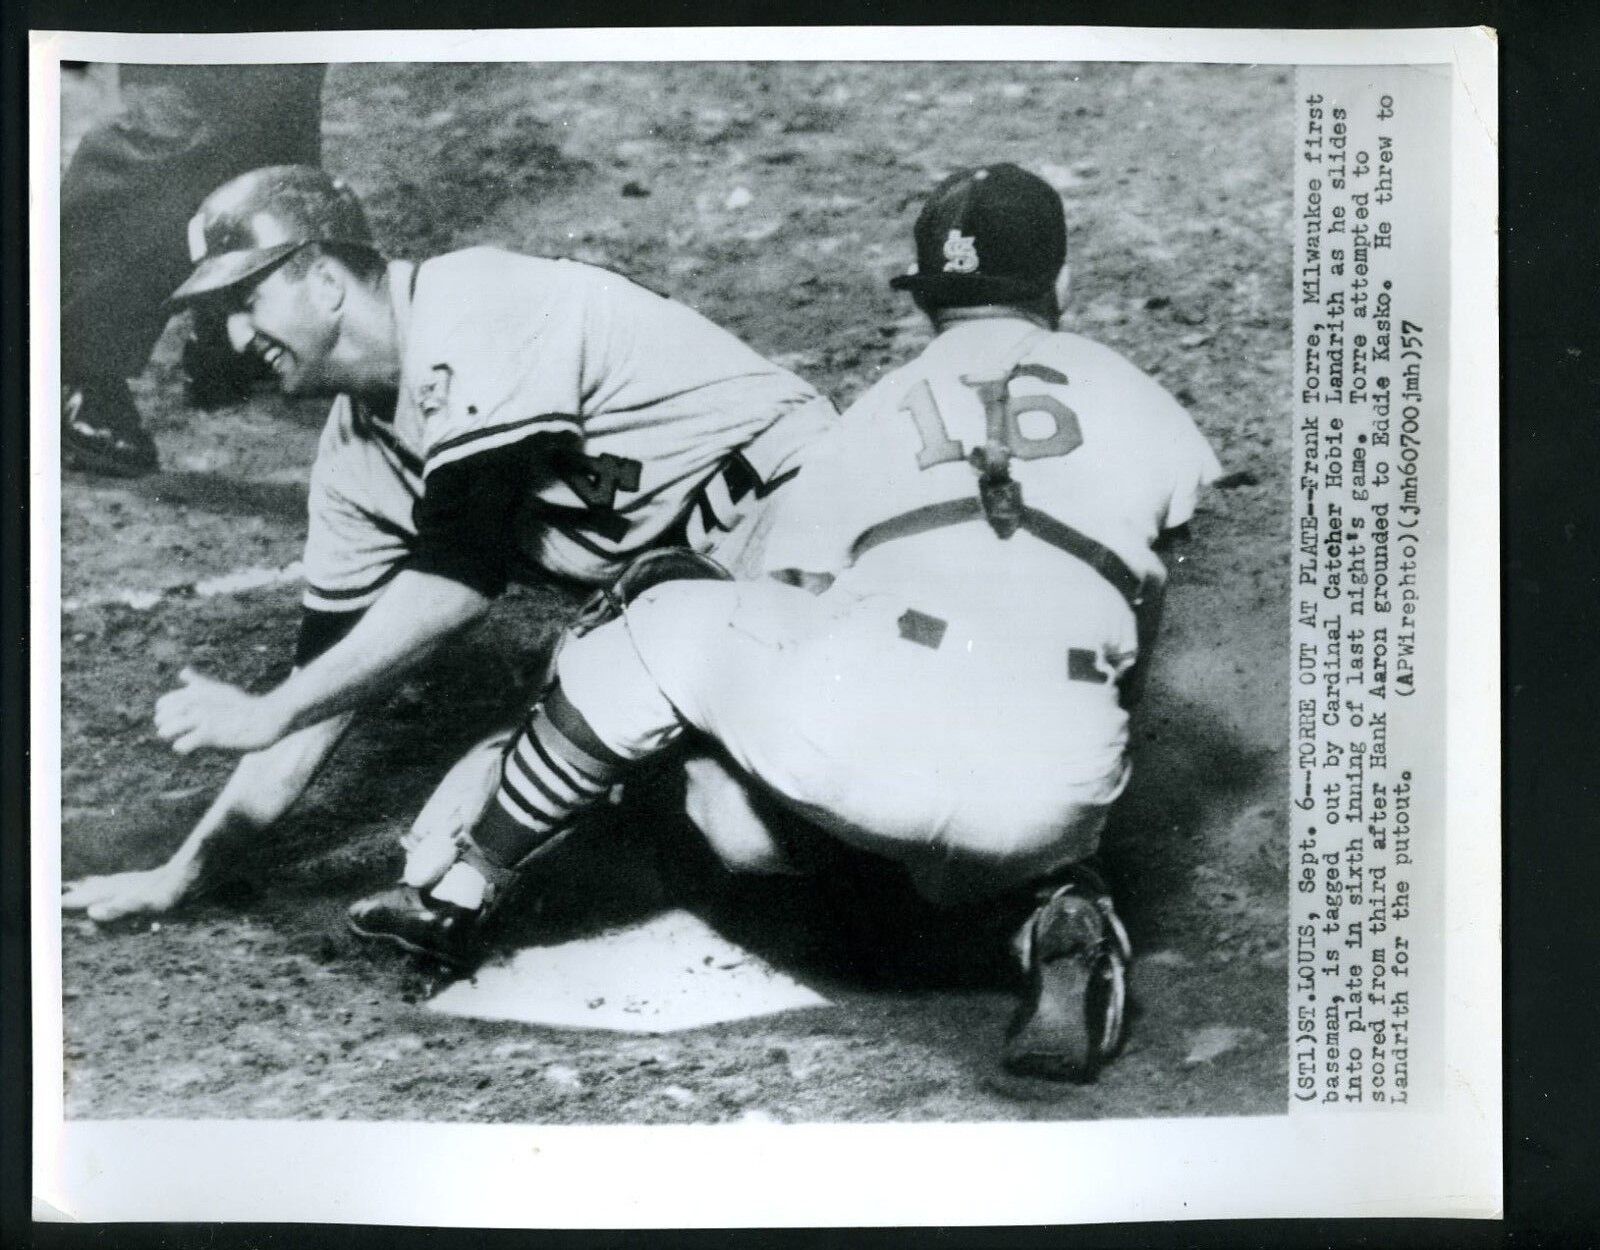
(989, 235)
(258, 219)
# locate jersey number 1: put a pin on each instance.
(1004, 413)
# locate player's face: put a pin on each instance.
(287, 322)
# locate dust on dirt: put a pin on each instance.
(777, 199)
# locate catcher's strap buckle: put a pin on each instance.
(666, 564)
(998, 491)
(597, 610)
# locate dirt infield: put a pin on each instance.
(776, 199)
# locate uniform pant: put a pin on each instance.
(137, 179)
(978, 767)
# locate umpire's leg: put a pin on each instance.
(131, 189)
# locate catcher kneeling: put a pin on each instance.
(945, 763)
(980, 533)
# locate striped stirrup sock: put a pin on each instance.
(556, 766)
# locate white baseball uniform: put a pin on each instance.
(951, 700)
(552, 417)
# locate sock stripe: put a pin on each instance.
(581, 786)
(551, 798)
(548, 783)
(556, 767)
(522, 811)
(586, 770)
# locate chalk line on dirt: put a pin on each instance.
(665, 975)
(251, 577)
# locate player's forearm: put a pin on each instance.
(415, 614)
(263, 786)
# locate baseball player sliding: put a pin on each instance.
(983, 526)
(496, 417)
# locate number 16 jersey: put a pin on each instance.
(1093, 443)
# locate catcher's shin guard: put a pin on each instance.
(1075, 951)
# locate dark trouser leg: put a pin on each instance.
(136, 180)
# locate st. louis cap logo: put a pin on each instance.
(960, 252)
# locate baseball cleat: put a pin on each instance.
(416, 922)
(101, 432)
(1076, 954)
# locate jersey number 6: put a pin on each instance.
(1004, 413)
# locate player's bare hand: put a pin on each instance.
(122, 894)
(205, 712)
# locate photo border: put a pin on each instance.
(1210, 1162)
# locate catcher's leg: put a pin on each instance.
(722, 805)
(460, 799)
(1075, 955)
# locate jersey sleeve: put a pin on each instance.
(489, 375)
(465, 517)
(321, 630)
(497, 375)
(355, 540)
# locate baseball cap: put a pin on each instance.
(259, 218)
(987, 235)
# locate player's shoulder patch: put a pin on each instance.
(433, 389)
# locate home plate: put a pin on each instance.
(667, 974)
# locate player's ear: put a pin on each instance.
(328, 282)
(1063, 286)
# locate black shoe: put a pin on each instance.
(215, 374)
(101, 431)
(408, 918)
(1076, 952)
